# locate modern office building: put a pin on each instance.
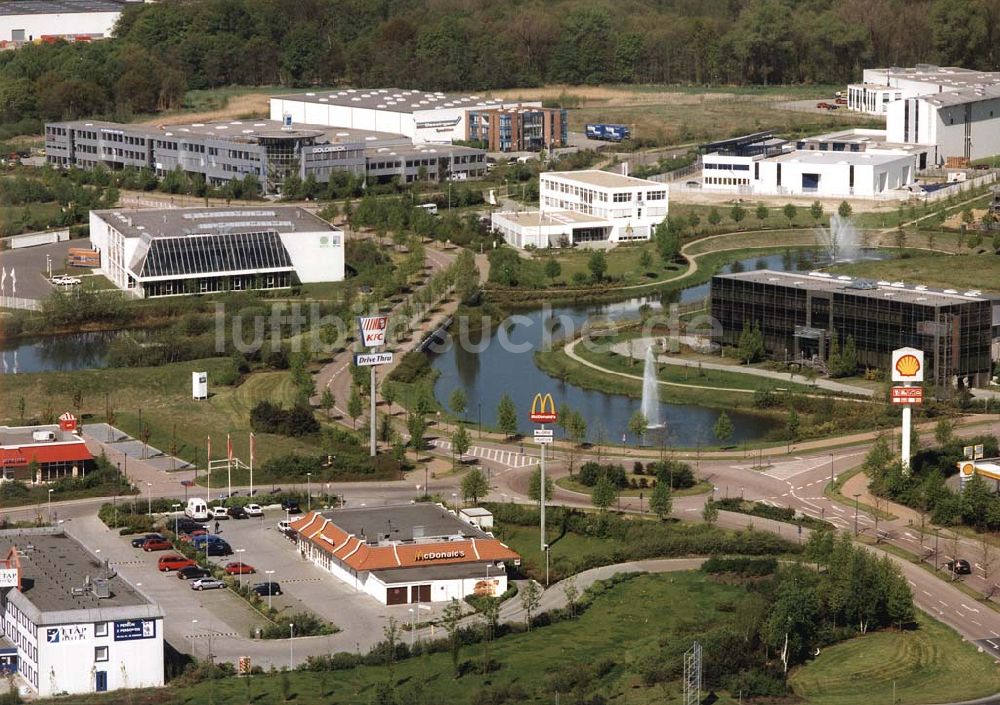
(408, 163)
(431, 117)
(33, 21)
(798, 313)
(407, 553)
(177, 251)
(76, 625)
(518, 128)
(46, 453)
(880, 87)
(588, 206)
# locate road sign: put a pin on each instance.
(543, 409)
(544, 439)
(245, 666)
(539, 432)
(907, 365)
(907, 395)
(372, 330)
(978, 451)
(369, 359)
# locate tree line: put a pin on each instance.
(161, 50)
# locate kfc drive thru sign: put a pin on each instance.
(372, 330)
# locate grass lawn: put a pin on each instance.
(623, 264)
(930, 664)
(702, 487)
(961, 272)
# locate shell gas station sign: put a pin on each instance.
(907, 367)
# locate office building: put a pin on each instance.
(44, 453)
(409, 553)
(799, 313)
(881, 87)
(77, 627)
(415, 162)
(35, 21)
(588, 206)
(518, 129)
(176, 251)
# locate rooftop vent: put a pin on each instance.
(102, 589)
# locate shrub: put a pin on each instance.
(267, 417)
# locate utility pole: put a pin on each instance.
(371, 430)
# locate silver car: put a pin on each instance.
(207, 584)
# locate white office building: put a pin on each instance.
(588, 206)
(423, 116)
(880, 87)
(76, 626)
(34, 21)
(178, 251)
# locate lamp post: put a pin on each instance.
(149, 498)
(50, 504)
(175, 506)
(239, 559)
(856, 513)
(413, 625)
(831, 471)
(269, 573)
(309, 491)
(480, 405)
(291, 647)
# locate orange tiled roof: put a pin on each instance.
(360, 556)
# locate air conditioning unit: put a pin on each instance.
(102, 589)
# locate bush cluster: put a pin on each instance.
(268, 417)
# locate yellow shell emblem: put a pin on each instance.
(968, 469)
(908, 365)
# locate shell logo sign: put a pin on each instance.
(907, 365)
(967, 470)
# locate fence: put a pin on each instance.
(20, 303)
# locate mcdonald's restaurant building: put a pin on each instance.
(406, 554)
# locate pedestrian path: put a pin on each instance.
(510, 458)
(132, 447)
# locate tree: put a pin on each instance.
(598, 265)
(531, 598)
(792, 425)
(389, 396)
(645, 259)
(552, 268)
(710, 512)
(474, 485)
(751, 343)
(737, 213)
(452, 618)
(572, 593)
(458, 402)
(762, 213)
(790, 211)
(535, 486)
(816, 211)
(661, 501)
(326, 400)
(354, 406)
(20, 410)
(416, 425)
(460, 443)
(723, 428)
(507, 416)
(604, 493)
(844, 210)
(638, 424)
(713, 217)
(667, 239)
(944, 432)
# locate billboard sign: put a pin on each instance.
(369, 359)
(373, 330)
(9, 577)
(131, 629)
(907, 395)
(543, 409)
(907, 365)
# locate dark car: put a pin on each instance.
(218, 548)
(238, 513)
(959, 566)
(193, 573)
(265, 589)
(139, 540)
(291, 506)
(186, 526)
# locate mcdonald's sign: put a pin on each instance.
(543, 409)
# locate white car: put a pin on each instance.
(284, 526)
(65, 281)
(217, 513)
(254, 510)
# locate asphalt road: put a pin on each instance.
(30, 265)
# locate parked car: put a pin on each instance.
(218, 548)
(156, 545)
(284, 525)
(186, 526)
(238, 513)
(65, 280)
(139, 540)
(959, 566)
(173, 561)
(217, 513)
(193, 572)
(239, 568)
(207, 584)
(254, 510)
(265, 589)
(190, 536)
(291, 506)
(822, 105)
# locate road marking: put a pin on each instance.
(991, 643)
(976, 623)
(943, 603)
(926, 593)
(911, 582)
(971, 609)
(837, 509)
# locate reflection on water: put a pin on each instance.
(55, 352)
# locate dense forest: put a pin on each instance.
(162, 49)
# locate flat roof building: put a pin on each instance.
(799, 313)
(56, 450)
(173, 251)
(588, 206)
(78, 627)
(35, 21)
(880, 87)
(406, 553)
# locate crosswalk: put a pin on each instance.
(513, 459)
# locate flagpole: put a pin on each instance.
(253, 443)
(229, 463)
(208, 467)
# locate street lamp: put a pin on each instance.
(50, 504)
(291, 641)
(175, 506)
(149, 498)
(239, 558)
(856, 513)
(309, 491)
(269, 573)
(413, 625)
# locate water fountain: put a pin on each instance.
(651, 390)
(840, 240)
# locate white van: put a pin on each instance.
(196, 509)
(429, 207)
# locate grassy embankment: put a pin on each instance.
(961, 272)
(571, 484)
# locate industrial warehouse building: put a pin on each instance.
(44, 453)
(880, 87)
(588, 206)
(199, 250)
(33, 21)
(268, 150)
(407, 553)
(430, 117)
(71, 624)
(798, 313)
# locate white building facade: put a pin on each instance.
(881, 87)
(81, 20)
(961, 124)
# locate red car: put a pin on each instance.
(189, 537)
(174, 562)
(156, 545)
(237, 568)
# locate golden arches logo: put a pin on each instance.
(908, 365)
(543, 409)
